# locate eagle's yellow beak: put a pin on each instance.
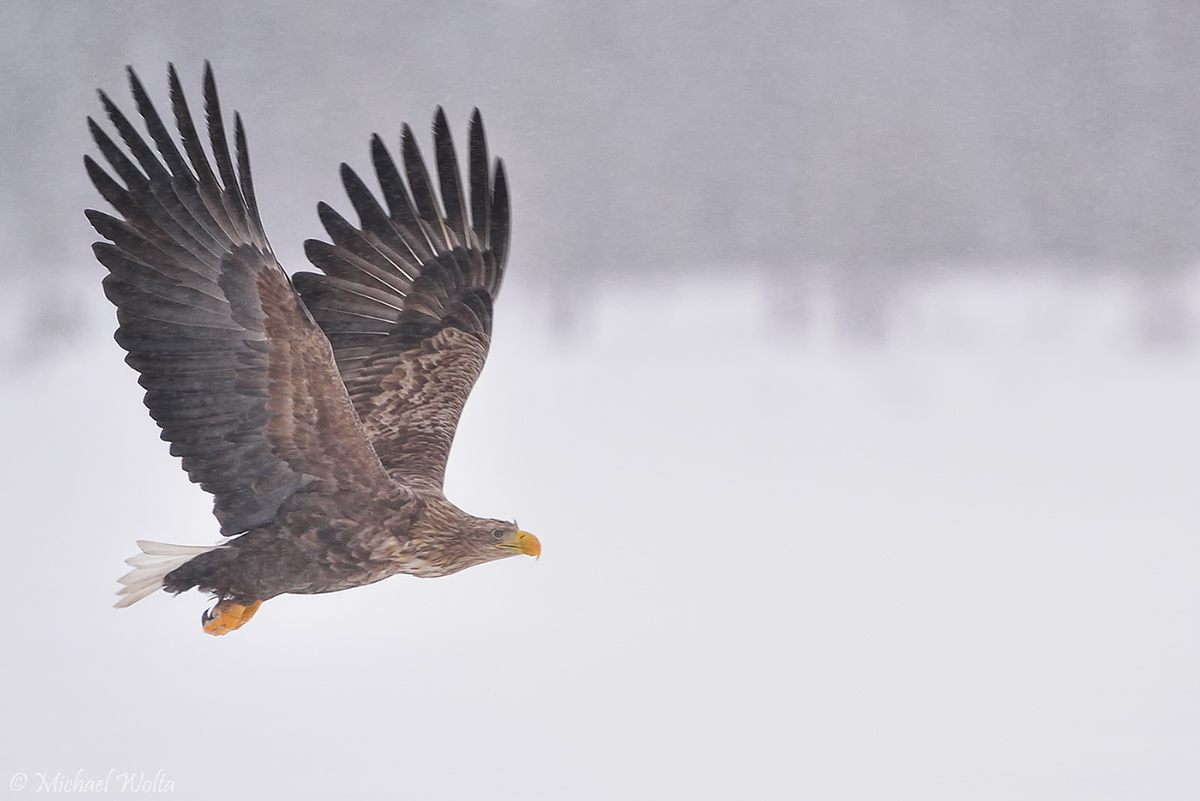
(522, 542)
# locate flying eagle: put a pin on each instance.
(317, 410)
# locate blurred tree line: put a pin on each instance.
(650, 135)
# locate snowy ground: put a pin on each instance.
(957, 563)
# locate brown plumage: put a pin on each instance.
(318, 411)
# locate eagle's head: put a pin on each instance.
(508, 538)
(482, 540)
(445, 540)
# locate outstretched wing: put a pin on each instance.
(237, 374)
(406, 298)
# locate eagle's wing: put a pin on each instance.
(406, 298)
(237, 374)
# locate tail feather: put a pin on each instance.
(151, 566)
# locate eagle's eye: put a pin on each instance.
(497, 533)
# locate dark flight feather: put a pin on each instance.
(191, 276)
(410, 328)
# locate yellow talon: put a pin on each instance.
(228, 616)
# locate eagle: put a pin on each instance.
(318, 409)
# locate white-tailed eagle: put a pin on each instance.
(317, 410)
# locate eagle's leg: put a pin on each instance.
(227, 616)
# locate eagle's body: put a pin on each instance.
(318, 410)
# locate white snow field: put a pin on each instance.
(959, 561)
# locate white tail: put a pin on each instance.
(152, 565)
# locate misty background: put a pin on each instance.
(879, 139)
(846, 367)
